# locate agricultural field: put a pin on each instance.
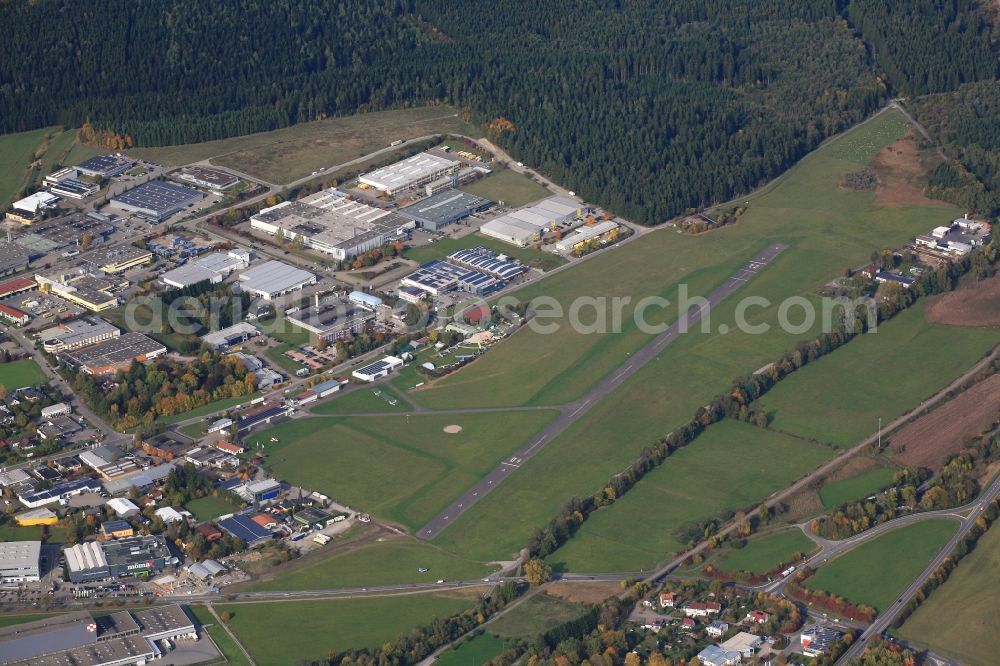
(826, 228)
(227, 647)
(479, 650)
(732, 465)
(209, 507)
(762, 554)
(287, 154)
(835, 493)
(379, 563)
(512, 188)
(877, 375)
(969, 600)
(974, 303)
(313, 629)
(931, 438)
(876, 571)
(436, 465)
(17, 374)
(535, 615)
(439, 249)
(362, 400)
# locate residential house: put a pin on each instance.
(702, 608)
(759, 617)
(667, 599)
(716, 628)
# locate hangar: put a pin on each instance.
(157, 200)
(444, 208)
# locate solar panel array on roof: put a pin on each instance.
(437, 277)
(373, 368)
(242, 527)
(486, 261)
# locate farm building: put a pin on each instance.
(273, 279)
(444, 208)
(157, 200)
(378, 369)
(331, 223)
(414, 171)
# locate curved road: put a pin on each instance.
(574, 411)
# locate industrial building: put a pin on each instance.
(264, 414)
(33, 517)
(331, 321)
(444, 208)
(233, 335)
(105, 166)
(333, 224)
(58, 493)
(112, 355)
(19, 561)
(574, 240)
(368, 301)
(157, 200)
(378, 369)
(414, 171)
(13, 258)
(117, 259)
(210, 179)
(13, 315)
(76, 334)
(243, 527)
(526, 225)
(214, 267)
(135, 556)
(72, 188)
(273, 279)
(78, 285)
(487, 261)
(61, 176)
(35, 204)
(16, 286)
(122, 638)
(439, 277)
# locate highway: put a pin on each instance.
(574, 411)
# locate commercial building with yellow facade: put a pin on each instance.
(41, 516)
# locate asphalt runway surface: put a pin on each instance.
(574, 411)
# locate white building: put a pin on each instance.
(526, 225)
(414, 171)
(123, 507)
(378, 369)
(331, 223)
(36, 203)
(273, 279)
(19, 561)
(214, 267)
(584, 233)
(169, 515)
(55, 410)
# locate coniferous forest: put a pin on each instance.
(645, 107)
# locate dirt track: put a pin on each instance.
(927, 441)
(973, 304)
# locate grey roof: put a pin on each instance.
(158, 197)
(444, 207)
(274, 277)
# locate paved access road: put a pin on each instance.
(574, 411)
(885, 618)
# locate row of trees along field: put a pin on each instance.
(647, 109)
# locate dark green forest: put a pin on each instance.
(647, 108)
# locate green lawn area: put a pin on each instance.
(534, 616)
(826, 229)
(512, 188)
(380, 563)
(18, 374)
(14, 532)
(16, 154)
(763, 554)
(209, 506)
(876, 571)
(970, 603)
(878, 375)
(411, 468)
(478, 651)
(731, 466)
(11, 620)
(440, 249)
(226, 645)
(290, 153)
(857, 487)
(283, 330)
(362, 400)
(57, 148)
(274, 632)
(210, 408)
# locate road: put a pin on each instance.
(885, 618)
(574, 411)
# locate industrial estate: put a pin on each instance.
(431, 405)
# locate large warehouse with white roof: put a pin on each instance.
(273, 278)
(414, 171)
(331, 223)
(526, 225)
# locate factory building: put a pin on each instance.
(526, 225)
(414, 171)
(446, 207)
(76, 334)
(332, 321)
(157, 200)
(19, 561)
(105, 166)
(112, 355)
(13, 258)
(214, 267)
(136, 556)
(211, 179)
(58, 493)
(117, 259)
(439, 277)
(378, 369)
(333, 224)
(273, 279)
(71, 188)
(603, 230)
